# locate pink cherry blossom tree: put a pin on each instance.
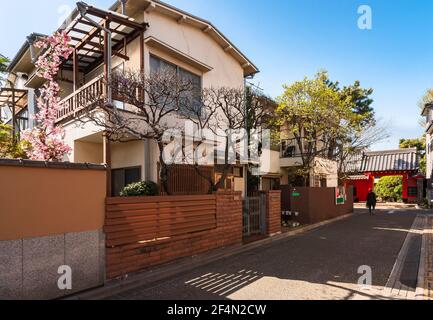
(46, 139)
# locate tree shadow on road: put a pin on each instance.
(320, 264)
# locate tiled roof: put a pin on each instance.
(394, 160)
(358, 177)
(382, 161)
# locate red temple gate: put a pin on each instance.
(372, 165)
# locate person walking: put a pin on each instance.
(371, 201)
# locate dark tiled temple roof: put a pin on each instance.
(394, 160)
(383, 161)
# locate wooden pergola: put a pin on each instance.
(91, 43)
(16, 100)
(88, 28)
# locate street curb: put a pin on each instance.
(394, 289)
(419, 292)
(422, 290)
(150, 276)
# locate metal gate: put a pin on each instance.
(254, 215)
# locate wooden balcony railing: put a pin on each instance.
(81, 99)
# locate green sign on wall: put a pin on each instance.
(296, 194)
(340, 200)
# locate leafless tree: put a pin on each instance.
(153, 101)
(350, 153)
(225, 111)
(163, 101)
(160, 102)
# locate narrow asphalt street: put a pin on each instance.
(320, 264)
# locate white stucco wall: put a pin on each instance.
(198, 45)
(88, 152)
(80, 131)
(128, 154)
(189, 40)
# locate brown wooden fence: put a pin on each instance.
(146, 231)
(184, 180)
(317, 204)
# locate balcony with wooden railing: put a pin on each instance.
(74, 104)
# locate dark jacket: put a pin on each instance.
(371, 199)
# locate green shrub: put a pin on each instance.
(138, 189)
(389, 188)
(9, 148)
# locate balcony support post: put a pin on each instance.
(107, 161)
(142, 51)
(75, 70)
(107, 60)
(142, 59)
(14, 117)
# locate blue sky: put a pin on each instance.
(290, 39)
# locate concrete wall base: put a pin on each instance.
(29, 267)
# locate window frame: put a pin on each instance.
(140, 169)
(20, 119)
(178, 69)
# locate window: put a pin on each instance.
(323, 182)
(288, 149)
(5, 113)
(412, 192)
(317, 181)
(120, 178)
(238, 172)
(289, 152)
(159, 65)
(194, 97)
(270, 184)
(23, 120)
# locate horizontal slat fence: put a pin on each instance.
(184, 179)
(145, 231)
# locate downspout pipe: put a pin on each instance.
(123, 6)
(248, 144)
(82, 9)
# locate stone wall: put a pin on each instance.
(29, 267)
(51, 215)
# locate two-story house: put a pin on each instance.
(323, 172)
(141, 35)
